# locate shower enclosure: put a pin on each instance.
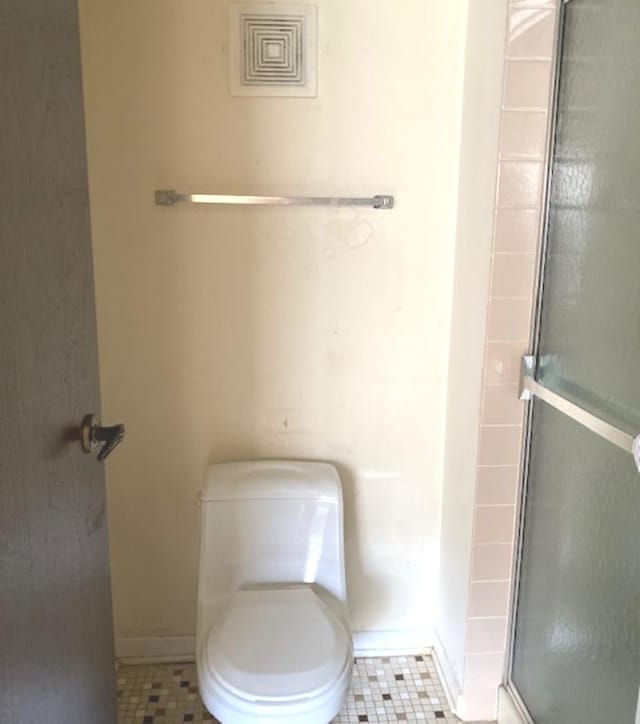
(575, 640)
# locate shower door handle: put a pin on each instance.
(93, 433)
(530, 388)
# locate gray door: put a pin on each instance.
(56, 639)
(576, 655)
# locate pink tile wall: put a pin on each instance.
(521, 176)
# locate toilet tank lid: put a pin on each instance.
(272, 479)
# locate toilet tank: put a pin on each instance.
(270, 522)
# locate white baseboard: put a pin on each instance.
(392, 643)
(450, 684)
(155, 649)
(165, 649)
(508, 710)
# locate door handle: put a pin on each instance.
(93, 434)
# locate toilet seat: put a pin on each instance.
(277, 645)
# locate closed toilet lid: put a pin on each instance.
(277, 645)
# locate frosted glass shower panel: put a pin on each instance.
(590, 344)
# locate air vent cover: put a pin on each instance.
(273, 50)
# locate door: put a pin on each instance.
(56, 640)
(576, 641)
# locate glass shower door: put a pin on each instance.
(576, 643)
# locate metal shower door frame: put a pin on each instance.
(534, 346)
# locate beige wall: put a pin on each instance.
(484, 65)
(479, 507)
(241, 333)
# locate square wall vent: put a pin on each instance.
(273, 50)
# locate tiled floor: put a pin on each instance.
(397, 689)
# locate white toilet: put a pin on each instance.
(273, 639)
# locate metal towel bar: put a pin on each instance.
(170, 197)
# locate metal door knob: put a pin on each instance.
(93, 434)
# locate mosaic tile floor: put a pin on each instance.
(396, 689)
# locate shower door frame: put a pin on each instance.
(534, 346)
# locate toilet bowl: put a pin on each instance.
(273, 639)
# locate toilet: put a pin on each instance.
(273, 634)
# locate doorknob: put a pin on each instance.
(93, 433)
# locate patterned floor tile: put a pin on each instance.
(383, 690)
